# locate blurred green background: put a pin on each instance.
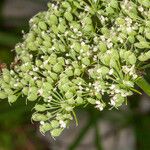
(18, 133)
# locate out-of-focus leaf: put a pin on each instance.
(144, 85)
(8, 39)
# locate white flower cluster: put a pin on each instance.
(77, 53)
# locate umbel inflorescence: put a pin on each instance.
(79, 52)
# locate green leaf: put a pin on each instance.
(144, 85)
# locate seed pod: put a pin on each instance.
(98, 95)
(53, 59)
(12, 98)
(3, 95)
(132, 59)
(25, 90)
(40, 108)
(42, 25)
(68, 16)
(131, 39)
(31, 46)
(45, 127)
(75, 64)
(102, 47)
(61, 60)
(62, 48)
(56, 132)
(62, 28)
(145, 56)
(32, 97)
(79, 100)
(47, 44)
(77, 47)
(68, 108)
(69, 72)
(86, 61)
(105, 31)
(147, 35)
(66, 5)
(49, 115)
(142, 45)
(105, 59)
(91, 100)
(114, 4)
(54, 124)
(53, 20)
(88, 28)
(47, 86)
(53, 75)
(119, 101)
(110, 10)
(39, 117)
(145, 3)
(104, 70)
(50, 80)
(65, 87)
(6, 78)
(71, 101)
(77, 72)
(54, 29)
(87, 20)
(39, 83)
(68, 95)
(57, 68)
(76, 4)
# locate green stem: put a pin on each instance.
(98, 142)
(81, 135)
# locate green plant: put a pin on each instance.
(78, 53)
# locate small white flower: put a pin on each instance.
(62, 124)
(111, 71)
(99, 105)
(112, 87)
(40, 91)
(140, 8)
(42, 122)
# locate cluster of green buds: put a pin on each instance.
(78, 53)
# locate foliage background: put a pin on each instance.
(16, 130)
